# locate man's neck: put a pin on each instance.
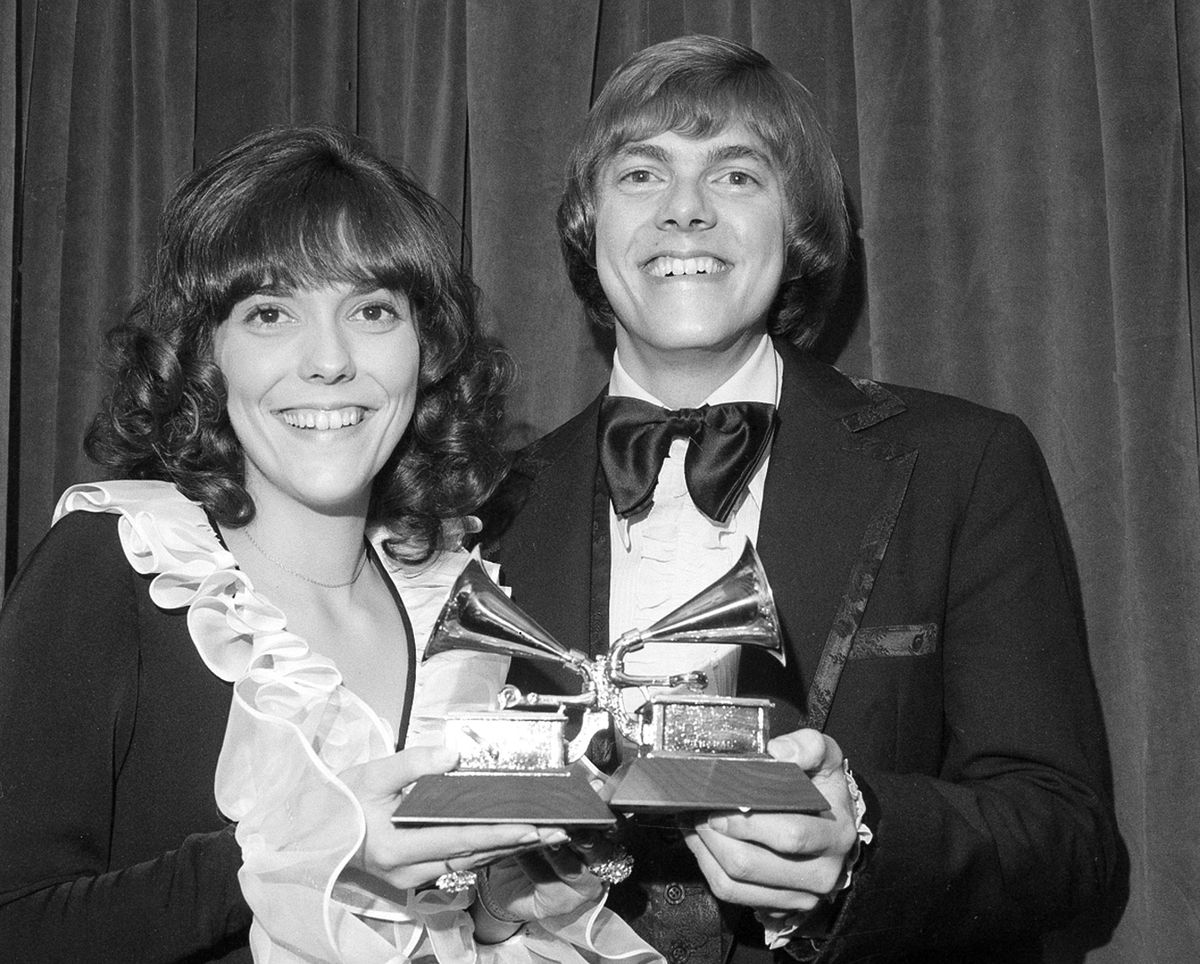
(684, 379)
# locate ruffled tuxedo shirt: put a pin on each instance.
(169, 754)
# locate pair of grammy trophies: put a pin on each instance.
(682, 751)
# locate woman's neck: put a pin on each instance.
(314, 567)
(303, 545)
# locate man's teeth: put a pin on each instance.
(675, 267)
(322, 419)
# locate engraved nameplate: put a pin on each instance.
(507, 740)
(709, 725)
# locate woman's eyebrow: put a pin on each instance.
(369, 286)
(273, 289)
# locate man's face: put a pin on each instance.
(690, 248)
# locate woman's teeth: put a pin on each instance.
(322, 419)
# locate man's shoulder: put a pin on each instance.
(956, 436)
(563, 455)
(571, 437)
(867, 405)
(924, 406)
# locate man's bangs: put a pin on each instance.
(691, 112)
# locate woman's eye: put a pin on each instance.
(378, 314)
(266, 316)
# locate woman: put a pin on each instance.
(303, 413)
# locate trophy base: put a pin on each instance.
(673, 784)
(562, 798)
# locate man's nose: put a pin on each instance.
(686, 205)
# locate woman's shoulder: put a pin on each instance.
(72, 610)
(79, 546)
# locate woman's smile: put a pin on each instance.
(323, 419)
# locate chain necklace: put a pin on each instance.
(362, 561)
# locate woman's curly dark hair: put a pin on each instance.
(301, 207)
(696, 86)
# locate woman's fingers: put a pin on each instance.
(388, 776)
(411, 856)
(415, 856)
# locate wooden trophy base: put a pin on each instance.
(563, 798)
(674, 784)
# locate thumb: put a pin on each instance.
(809, 749)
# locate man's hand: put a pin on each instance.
(783, 861)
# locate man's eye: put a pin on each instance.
(740, 179)
(639, 176)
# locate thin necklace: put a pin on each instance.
(362, 561)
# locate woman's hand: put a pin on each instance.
(407, 857)
(532, 886)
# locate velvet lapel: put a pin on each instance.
(831, 497)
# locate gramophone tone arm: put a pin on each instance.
(631, 642)
(509, 697)
(695, 680)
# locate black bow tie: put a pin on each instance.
(728, 442)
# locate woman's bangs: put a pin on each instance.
(311, 241)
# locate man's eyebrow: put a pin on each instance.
(739, 152)
(723, 152)
(635, 149)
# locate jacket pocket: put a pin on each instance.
(918, 639)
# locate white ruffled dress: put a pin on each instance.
(293, 727)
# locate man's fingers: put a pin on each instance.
(748, 893)
(788, 834)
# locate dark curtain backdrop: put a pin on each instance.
(1026, 178)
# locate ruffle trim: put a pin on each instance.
(681, 550)
(293, 728)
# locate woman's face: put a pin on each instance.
(321, 385)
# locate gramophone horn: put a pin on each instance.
(737, 608)
(480, 616)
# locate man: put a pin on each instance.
(916, 553)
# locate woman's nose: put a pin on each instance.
(327, 355)
(686, 206)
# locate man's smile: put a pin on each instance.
(666, 266)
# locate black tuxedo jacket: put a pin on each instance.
(921, 570)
